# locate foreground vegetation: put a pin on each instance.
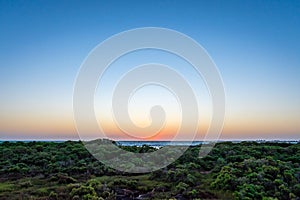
(246, 170)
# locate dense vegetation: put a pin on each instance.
(246, 170)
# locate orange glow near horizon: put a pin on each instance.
(64, 128)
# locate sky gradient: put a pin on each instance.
(255, 45)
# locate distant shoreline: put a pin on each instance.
(161, 142)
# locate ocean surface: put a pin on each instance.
(159, 143)
(131, 143)
(162, 143)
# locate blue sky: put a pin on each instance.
(255, 45)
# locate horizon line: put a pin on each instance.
(222, 140)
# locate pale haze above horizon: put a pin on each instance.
(254, 44)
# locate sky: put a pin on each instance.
(255, 45)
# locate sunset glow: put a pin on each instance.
(257, 54)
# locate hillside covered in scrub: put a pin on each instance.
(66, 170)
